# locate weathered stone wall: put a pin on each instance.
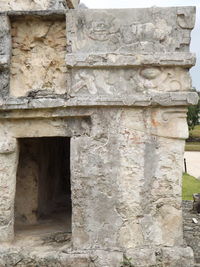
(124, 108)
(38, 57)
(37, 4)
(191, 230)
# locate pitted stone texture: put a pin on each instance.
(8, 166)
(4, 83)
(31, 4)
(167, 59)
(127, 131)
(5, 40)
(190, 229)
(38, 51)
(24, 258)
(125, 82)
(141, 169)
(5, 51)
(141, 30)
(163, 257)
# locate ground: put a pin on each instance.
(191, 185)
(194, 135)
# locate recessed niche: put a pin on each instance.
(38, 56)
(43, 190)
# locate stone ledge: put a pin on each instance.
(36, 13)
(186, 60)
(135, 100)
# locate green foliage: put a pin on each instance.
(190, 186)
(126, 262)
(195, 132)
(193, 115)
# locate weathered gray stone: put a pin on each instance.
(142, 30)
(117, 87)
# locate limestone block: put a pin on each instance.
(116, 83)
(4, 83)
(142, 257)
(45, 127)
(5, 51)
(167, 59)
(147, 184)
(178, 257)
(101, 258)
(38, 51)
(31, 4)
(174, 120)
(92, 227)
(5, 40)
(8, 146)
(8, 169)
(141, 30)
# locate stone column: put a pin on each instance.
(8, 169)
(132, 65)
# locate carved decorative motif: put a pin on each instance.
(141, 31)
(120, 82)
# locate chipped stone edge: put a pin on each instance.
(186, 60)
(135, 100)
(4, 62)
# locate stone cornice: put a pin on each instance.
(107, 60)
(135, 100)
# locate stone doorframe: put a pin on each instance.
(32, 127)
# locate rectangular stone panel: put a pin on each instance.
(125, 31)
(118, 83)
(38, 57)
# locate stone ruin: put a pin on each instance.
(93, 125)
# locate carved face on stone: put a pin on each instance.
(150, 73)
(98, 30)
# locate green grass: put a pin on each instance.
(190, 186)
(192, 146)
(195, 132)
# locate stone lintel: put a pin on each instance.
(136, 100)
(51, 14)
(107, 60)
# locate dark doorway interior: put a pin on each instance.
(43, 190)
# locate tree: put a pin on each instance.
(193, 115)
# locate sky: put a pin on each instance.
(195, 44)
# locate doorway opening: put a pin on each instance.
(43, 188)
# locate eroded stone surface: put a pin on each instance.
(97, 82)
(38, 57)
(142, 30)
(124, 108)
(31, 4)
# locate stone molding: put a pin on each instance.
(93, 52)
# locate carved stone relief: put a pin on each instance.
(184, 18)
(119, 82)
(135, 32)
(174, 120)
